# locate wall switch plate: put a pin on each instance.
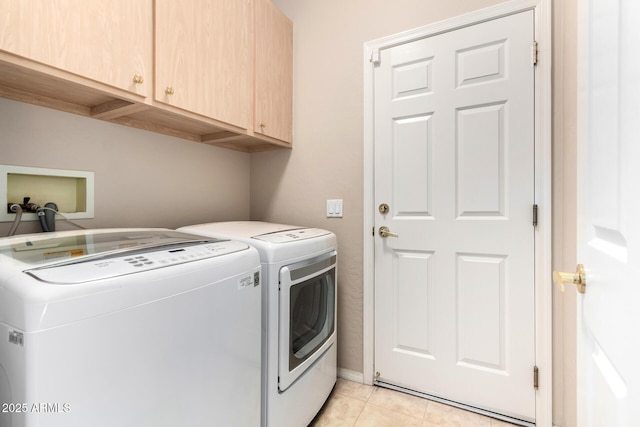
(334, 208)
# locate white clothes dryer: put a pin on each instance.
(299, 315)
(129, 328)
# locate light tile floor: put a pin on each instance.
(357, 405)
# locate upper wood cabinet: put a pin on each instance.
(274, 72)
(212, 71)
(204, 58)
(108, 41)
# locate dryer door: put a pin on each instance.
(307, 326)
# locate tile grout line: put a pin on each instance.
(367, 402)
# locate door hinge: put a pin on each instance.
(534, 53)
(375, 57)
(373, 231)
(535, 377)
(535, 215)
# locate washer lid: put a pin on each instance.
(63, 248)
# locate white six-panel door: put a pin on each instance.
(454, 161)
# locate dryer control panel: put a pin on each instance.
(107, 266)
(292, 235)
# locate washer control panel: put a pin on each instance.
(104, 267)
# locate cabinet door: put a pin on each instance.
(204, 58)
(109, 41)
(274, 72)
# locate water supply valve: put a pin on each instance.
(26, 206)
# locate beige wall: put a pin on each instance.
(327, 159)
(141, 178)
(564, 208)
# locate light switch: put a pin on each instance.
(334, 208)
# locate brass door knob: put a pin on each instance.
(169, 90)
(137, 79)
(385, 232)
(578, 278)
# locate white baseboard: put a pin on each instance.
(350, 375)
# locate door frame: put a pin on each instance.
(542, 190)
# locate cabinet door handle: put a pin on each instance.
(137, 78)
(169, 90)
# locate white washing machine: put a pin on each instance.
(299, 315)
(129, 328)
